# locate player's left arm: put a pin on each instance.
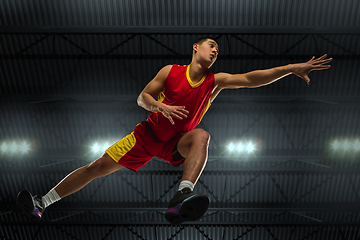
(263, 77)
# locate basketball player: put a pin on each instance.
(184, 95)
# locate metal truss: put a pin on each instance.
(86, 53)
(206, 231)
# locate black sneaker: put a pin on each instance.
(33, 205)
(186, 206)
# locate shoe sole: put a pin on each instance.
(190, 210)
(25, 202)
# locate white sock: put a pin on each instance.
(51, 197)
(186, 184)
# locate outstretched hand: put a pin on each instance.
(178, 112)
(302, 69)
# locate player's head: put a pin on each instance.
(205, 51)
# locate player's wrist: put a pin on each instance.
(157, 107)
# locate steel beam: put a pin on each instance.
(179, 30)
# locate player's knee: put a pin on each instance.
(201, 136)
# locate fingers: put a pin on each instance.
(178, 112)
(322, 57)
(307, 79)
(170, 119)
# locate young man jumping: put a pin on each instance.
(184, 94)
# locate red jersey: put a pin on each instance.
(180, 91)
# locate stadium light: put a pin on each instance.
(24, 147)
(14, 147)
(336, 145)
(250, 147)
(241, 147)
(346, 145)
(231, 147)
(356, 145)
(4, 147)
(95, 148)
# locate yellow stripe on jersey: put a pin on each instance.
(189, 79)
(205, 110)
(122, 147)
(161, 95)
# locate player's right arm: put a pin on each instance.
(147, 100)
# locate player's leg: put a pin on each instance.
(187, 205)
(193, 146)
(82, 176)
(70, 184)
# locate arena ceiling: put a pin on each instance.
(70, 73)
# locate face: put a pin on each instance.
(207, 52)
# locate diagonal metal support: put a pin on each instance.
(284, 129)
(276, 216)
(67, 233)
(356, 191)
(202, 232)
(316, 46)
(337, 45)
(271, 233)
(32, 44)
(243, 187)
(74, 44)
(297, 187)
(133, 187)
(322, 132)
(50, 130)
(314, 188)
(250, 45)
(292, 232)
(303, 215)
(170, 187)
(208, 189)
(279, 188)
(244, 233)
(295, 44)
(97, 188)
(119, 45)
(320, 228)
(67, 216)
(242, 219)
(255, 120)
(161, 44)
(341, 233)
(36, 233)
(182, 227)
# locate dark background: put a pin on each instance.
(70, 73)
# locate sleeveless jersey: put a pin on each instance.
(180, 91)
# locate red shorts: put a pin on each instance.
(140, 146)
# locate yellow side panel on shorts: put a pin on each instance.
(120, 148)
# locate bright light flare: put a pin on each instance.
(24, 147)
(231, 147)
(100, 147)
(4, 147)
(105, 146)
(95, 148)
(250, 147)
(241, 147)
(356, 145)
(336, 145)
(13, 147)
(346, 145)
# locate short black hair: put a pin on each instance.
(203, 39)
